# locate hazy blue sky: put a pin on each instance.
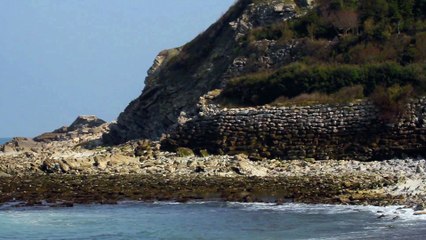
(63, 58)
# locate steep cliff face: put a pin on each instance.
(180, 76)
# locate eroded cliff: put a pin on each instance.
(180, 76)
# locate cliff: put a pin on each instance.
(268, 51)
(180, 76)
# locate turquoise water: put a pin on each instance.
(210, 220)
(4, 140)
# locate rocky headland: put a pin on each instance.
(185, 139)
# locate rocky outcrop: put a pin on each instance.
(64, 149)
(263, 13)
(160, 61)
(86, 122)
(346, 131)
(20, 144)
(180, 76)
(269, 55)
(84, 128)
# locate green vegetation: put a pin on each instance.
(391, 101)
(361, 31)
(375, 45)
(299, 78)
(344, 95)
(184, 152)
(204, 153)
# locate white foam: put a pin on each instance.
(398, 213)
(166, 203)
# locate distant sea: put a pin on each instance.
(210, 220)
(4, 140)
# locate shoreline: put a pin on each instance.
(67, 190)
(74, 170)
(388, 212)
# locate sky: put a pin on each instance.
(64, 58)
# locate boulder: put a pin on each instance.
(204, 153)
(4, 175)
(247, 167)
(184, 152)
(51, 166)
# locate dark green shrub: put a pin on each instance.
(391, 101)
(342, 43)
(295, 79)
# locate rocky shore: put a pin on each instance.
(72, 167)
(228, 178)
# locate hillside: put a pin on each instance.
(272, 51)
(379, 43)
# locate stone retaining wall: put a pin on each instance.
(348, 131)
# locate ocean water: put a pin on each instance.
(210, 220)
(4, 140)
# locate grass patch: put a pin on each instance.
(344, 95)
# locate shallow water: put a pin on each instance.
(210, 220)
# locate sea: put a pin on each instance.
(4, 140)
(210, 220)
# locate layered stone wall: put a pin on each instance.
(348, 131)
